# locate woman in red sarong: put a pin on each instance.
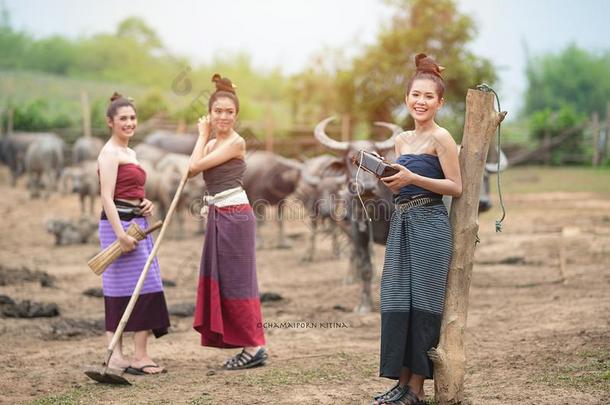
(227, 310)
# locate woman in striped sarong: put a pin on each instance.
(419, 244)
(122, 192)
(227, 310)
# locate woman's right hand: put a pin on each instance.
(127, 242)
(204, 126)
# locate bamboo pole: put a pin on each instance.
(449, 357)
(596, 148)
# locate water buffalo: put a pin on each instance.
(13, 148)
(150, 153)
(320, 187)
(268, 180)
(44, 160)
(169, 172)
(171, 142)
(84, 181)
(71, 232)
(86, 148)
(376, 198)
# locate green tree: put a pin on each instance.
(151, 105)
(53, 55)
(39, 114)
(551, 124)
(573, 77)
(136, 29)
(13, 45)
(434, 27)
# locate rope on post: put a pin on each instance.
(488, 89)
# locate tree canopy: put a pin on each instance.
(573, 77)
(369, 87)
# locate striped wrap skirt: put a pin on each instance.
(120, 279)
(227, 308)
(417, 258)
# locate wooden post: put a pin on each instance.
(182, 127)
(607, 141)
(9, 121)
(449, 357)
(345, 128)
(84, 100)
(269, 129)
(546, 144)
(596, 148)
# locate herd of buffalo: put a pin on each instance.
(329, 188)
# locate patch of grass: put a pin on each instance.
(84, 395)
(536, 179)
(279, 377)
(202, 400)
(357, 364)
(64, 398)
(591, 369)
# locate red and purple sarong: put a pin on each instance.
(227, 310)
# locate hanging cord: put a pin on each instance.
(369, 222)
(486, 88)
(358, 188)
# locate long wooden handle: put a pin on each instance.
(153, 228)
(151, 256)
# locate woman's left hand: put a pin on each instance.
(146, 207)
(395, 182)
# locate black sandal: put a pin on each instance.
(389, 395)
(245, 360)
(406, 397)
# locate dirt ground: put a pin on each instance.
(538, 325)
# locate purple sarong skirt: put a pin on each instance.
(120, 279)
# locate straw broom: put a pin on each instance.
(100, 262)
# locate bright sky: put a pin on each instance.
(287, 33)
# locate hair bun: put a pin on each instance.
(223, 83)
(425, 64)
(115, 96)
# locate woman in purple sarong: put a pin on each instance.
(227, 310)
(122, 193)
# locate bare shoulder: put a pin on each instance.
(108, 154)
(209, 145)
(441, 134)
(405, 136)
(239, 140)
(443, 140)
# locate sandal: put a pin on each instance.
(245, 360)
(142, 370)
(406, 397)
(388, 395)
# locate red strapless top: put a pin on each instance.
(130, 180)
